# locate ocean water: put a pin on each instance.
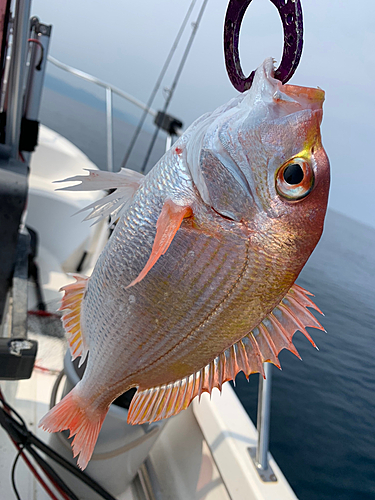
(323, 408)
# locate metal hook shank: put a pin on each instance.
(291, 16)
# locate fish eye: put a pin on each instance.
(295, 179)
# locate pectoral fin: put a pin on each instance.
(168, 223)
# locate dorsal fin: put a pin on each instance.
(125, 182)
(71, 302)
(263, 344)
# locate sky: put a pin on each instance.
(126, 43)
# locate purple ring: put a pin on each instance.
(291, 16)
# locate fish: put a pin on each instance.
(197, 281)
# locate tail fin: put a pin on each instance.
(85, 423)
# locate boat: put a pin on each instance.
(210, 451)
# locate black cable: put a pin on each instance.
(20, 441)
(34, 268)
(157, 85)
(9, 408)
(13, 474)
(175, 81)
(23, 437)
(51, 472)
(18, 434)
(69, 467)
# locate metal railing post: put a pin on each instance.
(260, 453)
(168, 142)
(108, 108)
(263, 416)
(17, 72)
(41, 33)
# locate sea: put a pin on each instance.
(323, 408)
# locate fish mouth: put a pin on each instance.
(309, 97)
(280, 99)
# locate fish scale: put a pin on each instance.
(196, 282)
(149, 297)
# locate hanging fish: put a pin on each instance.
(197, 280)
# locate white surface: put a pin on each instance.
(229, 433)
(183, 462)
(51, 212)
(51, 278)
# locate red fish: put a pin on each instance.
(197, 280)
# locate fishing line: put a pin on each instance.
(157, 85)
(176, 78)
(49, 492)
(52, 474)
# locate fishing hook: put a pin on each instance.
(291, 16)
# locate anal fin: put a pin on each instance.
(72, 302)
(168, 223)
(261, 345)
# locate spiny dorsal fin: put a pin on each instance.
(263, 344)
(125, 182)
(72, 302)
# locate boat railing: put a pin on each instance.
(259, 454)
(109, 91)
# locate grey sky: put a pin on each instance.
(126, 42)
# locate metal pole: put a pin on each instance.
(17, 75)
(108, 107)
(168, 142)
(263, 417)
(41, 33)
(19, 288)
(36, 67)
